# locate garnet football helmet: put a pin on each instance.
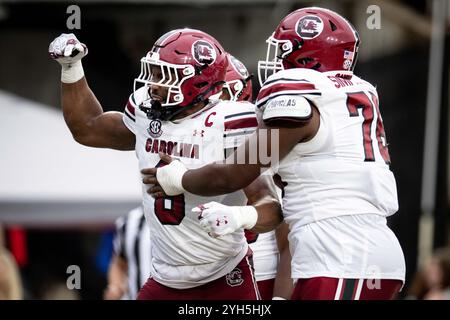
(189, 63)
(313, 38)
(238, 82)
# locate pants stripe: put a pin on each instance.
(255, 285)
(359, 289)
(339, 290)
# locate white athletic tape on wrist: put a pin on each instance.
(170, 178)
(278, 298)
(72, 72)
(248, 216)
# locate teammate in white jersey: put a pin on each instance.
(169, 112)
(334, 162)
(266, 247)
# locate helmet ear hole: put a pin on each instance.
(298, 43)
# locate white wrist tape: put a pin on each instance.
(278, 298)
(247, 217)
(72, 72)
(170, 178)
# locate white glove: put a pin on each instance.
(68, 51)
(218, 219)
(169, 177)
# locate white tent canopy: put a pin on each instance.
(46, 178)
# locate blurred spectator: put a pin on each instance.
(432, 282)
(104, 252)
(10, 281)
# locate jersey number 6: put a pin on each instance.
(169, 210)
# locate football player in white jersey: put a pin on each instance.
(170, 112)
(334, 162)
(270, 249)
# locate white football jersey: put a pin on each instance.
(265, 254)
(339, 188)
(183, 254)
(350, 143)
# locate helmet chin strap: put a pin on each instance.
(158, 112)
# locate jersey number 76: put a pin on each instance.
(369, 105)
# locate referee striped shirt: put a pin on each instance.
(132, 243)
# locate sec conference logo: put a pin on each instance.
(154, 129)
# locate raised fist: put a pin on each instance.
(67, 49)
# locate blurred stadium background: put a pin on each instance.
(58, 200)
